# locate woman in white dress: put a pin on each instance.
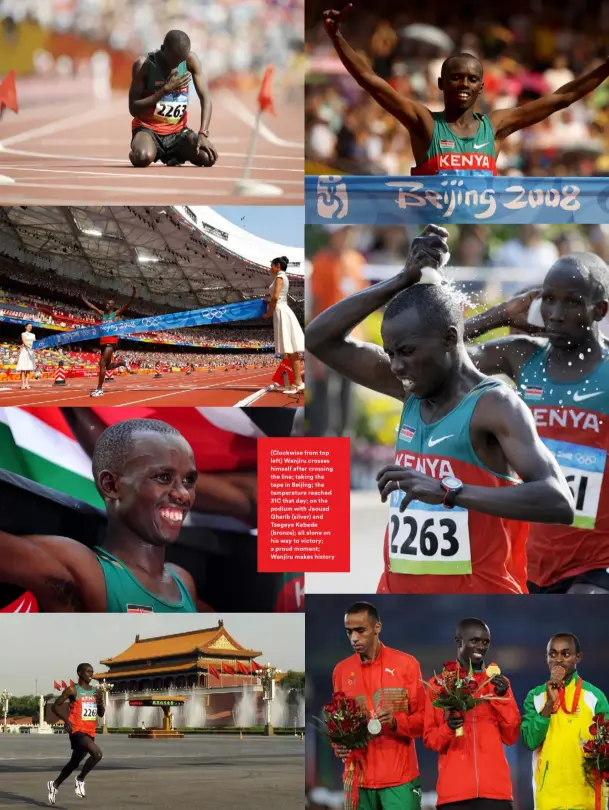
(289, 337)
(26, 362)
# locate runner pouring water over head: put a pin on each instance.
(470, 468)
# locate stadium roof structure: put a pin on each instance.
(186, 258)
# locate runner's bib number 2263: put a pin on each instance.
(170, 110)
(583, 467)
(428, 538)
(89, 709)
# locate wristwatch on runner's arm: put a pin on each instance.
(452, 487)
(204, 132)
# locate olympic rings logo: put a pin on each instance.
(587, 460)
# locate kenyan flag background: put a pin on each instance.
(38, 444)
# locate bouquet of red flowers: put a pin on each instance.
(596, 756)
(345, 722)
(457, 689)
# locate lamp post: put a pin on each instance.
(267, 680)
(105, 688)
(5, 698)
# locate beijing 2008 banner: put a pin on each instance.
(338, 200)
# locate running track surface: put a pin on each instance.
(243, 387)
(76, 153)
(257, 773)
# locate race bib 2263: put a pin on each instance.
(428, 538)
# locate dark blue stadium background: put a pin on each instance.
(424, 626)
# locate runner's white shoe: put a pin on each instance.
(52, 792)
(79, 788)
(97, 393)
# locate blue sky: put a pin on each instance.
(277, 223)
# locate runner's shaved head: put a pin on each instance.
(470, 624)
(434, 304)
(179, 42)
(115, 445)
(591, 268)
(460, 57)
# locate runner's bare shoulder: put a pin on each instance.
(140, 67)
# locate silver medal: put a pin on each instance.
(374, 726)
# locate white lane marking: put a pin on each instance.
(253, 397)
(64, 123)
(157, 197)
(193, 175)
(193, 390)
(122, 160)
(244, 114)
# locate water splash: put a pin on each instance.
(279, 709)
(245, 710)
(463, 299)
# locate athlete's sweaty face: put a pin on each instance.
(473, 644)
(569, 305)
(86, 674)
(561, 651)
(420, 357)
(362, 632)
(156, 488)
(461, 82)
(110, 305)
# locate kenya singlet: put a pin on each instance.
(83, 711)
(450, 154)
(124, 594)
(170, 113)
(572, 421)
(432, 549)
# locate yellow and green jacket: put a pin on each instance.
(557, 742)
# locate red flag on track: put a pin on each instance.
(265, 96)
(286, 367)
(64, 685)
(56, 686)
(8, 93)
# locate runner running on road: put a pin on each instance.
(86, 704)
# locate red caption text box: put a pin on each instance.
(303, 505)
